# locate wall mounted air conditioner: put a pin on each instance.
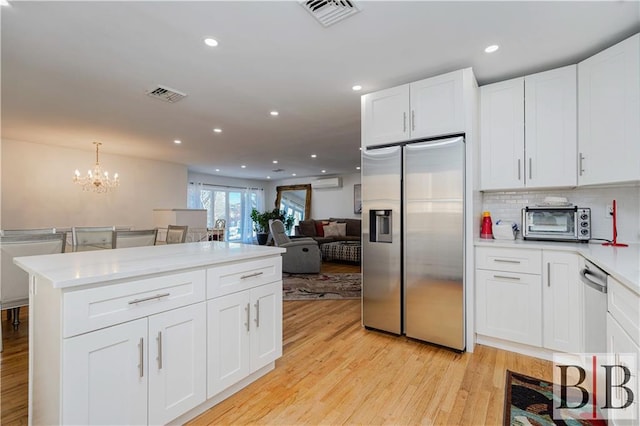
(335, 182)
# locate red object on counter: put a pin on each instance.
(614, 242)
(486, 230)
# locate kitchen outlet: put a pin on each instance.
(609, 212)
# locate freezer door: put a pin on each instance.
(381, 274)
(434, 242)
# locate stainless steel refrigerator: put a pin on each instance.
(413, 240)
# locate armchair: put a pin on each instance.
(303, 254)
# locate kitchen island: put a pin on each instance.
(149, 335)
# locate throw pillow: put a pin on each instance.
(320, 227)
(330, 230)
(342, 229)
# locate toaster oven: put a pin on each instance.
(567, 223)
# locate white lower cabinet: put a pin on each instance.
(106, 369)
(529, 296)
(619, 342)
(152, 368)
(177, 362)
(562, 302)
(244, 334)
(508, 306)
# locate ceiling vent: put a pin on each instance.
(166, 94)
(328, 12)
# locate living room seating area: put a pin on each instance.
(330, 230)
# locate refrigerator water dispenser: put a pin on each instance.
(380, 222)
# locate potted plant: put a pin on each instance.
(261, 222)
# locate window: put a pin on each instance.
(231, 204)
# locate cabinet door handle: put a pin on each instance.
(248, 317)
(413, 120)
(507, 277)
(255, 274)
(519, 171)
(581, 169)
(159, 339)
(506, 261)
(141, 357)
(548, 274)
(530, 168)
(146, 299)
(257, 306)
(404, 122)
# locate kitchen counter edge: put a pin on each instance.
(66, 270)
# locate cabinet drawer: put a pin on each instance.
(240, 276)
(624, 306)
(99, 307)
(525, 261)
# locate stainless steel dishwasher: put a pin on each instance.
(595, 307)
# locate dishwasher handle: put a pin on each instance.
(594, 284)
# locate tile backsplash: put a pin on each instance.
(507, 206)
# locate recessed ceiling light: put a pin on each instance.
(275, 161)
(293, 174)
(360, 148)
(313, 155)
(274, 113)
(217, 130)
(324, 171)
(217, 170)
(268, 177)
(243, 166)
(357, 167)
(177, 141)
(492, 48)
(211, 42)
(356, 87)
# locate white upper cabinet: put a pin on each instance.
(550, 111)
(528, 131)
(425, 108)
(609, 115)
(385, 116)
(502, 134)
(437, 106)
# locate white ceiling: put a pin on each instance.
(77, 72)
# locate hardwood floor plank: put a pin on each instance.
(333, 371)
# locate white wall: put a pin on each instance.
(325, 203)
(38, 189)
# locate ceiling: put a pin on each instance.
(78, 72)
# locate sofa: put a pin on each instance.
(330, 230)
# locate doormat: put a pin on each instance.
(529, 402)
(321, 286)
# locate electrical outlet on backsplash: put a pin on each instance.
(507, 206)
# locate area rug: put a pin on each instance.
(321, 286)
(529, 401)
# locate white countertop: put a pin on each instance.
(623, 263)
(77, 269)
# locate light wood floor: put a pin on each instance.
(335, 372)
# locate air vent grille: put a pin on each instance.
(328, 12)
(166, 94)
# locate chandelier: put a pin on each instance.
(96, 180)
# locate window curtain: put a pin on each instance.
(253, 198)
(194, 200)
